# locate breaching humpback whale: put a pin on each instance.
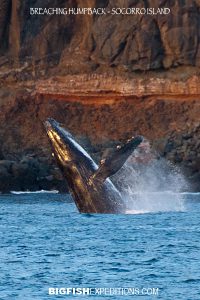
(89, 185)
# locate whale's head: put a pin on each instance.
(70, 156)
(74, 162)
(61, 141)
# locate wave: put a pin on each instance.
(136, 212)
(34, 192)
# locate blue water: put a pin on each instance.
(46, 243)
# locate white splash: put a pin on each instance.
(149, 184)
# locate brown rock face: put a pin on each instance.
(170, 123)
(127, 42)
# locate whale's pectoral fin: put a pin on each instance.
(110, 165)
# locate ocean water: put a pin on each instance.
(46, 243)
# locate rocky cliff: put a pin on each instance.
(82, 43)
(104, 77)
